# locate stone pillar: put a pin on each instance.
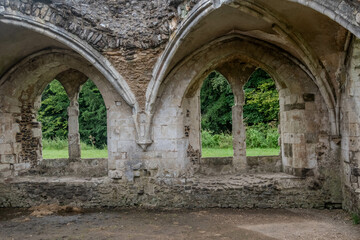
(237, 73)
(239, 137)
(72, 80)
(73, 129)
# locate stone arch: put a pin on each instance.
(312, 66)
(299, 96)
(21, 90)
(246, 50)
(79, 46)
(47, 65)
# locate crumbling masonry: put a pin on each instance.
(148, 59)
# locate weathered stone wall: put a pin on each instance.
(108, 25)
(82, 168)
(213, 166)
(246, 191)
(350, 129)
(131, 34)
(133, 40)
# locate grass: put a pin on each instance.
(206, 152)
(58, 148)
(228, 152)
(63, 153)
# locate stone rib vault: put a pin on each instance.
(148, 59)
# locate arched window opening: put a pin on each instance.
(92, 122)
(217, 99)
(261, 115)
(53, 116)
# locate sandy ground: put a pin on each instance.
(181, 224)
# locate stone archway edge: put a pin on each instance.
(79, 46)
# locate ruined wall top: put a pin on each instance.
(109, 24)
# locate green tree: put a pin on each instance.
(92, 119)
(261, 99)
(216, 101)
(261, 102)
(53, 111)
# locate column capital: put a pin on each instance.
(236, 72)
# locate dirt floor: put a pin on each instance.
(180, 224)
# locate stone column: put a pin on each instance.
(73, 129)
(237, 73)
(72, 80)
(239, 138)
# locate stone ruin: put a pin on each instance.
(148, 59)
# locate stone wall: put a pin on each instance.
(108, 25)
(149, 60)
(224, 165)
(82, 168)
(350, 128)
(246, 191)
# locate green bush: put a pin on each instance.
(55, 144)
(356, 218)
(262, 136)
(53, 111)
(216, 99)
(259, 136)
(92, 119)
(211, 140)
(62, 144)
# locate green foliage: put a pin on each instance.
(92, 119)
(261, 99)
(54, 144)
(62, 144)
(259, 136)
(216, 101)
(355, 218)
(262, 136)
(261, 102)
(260, 111)
(53, 111)
(211, 140)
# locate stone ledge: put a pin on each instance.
(92, 167)
(243, 191)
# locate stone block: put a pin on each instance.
(120, 164)
(7, 159)
(4, 167)
(115, 174)
(354, 130)
(151, 164)
(6, 148)
(310, 106)
(136, 173)
(21, 166)
(311, 137)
